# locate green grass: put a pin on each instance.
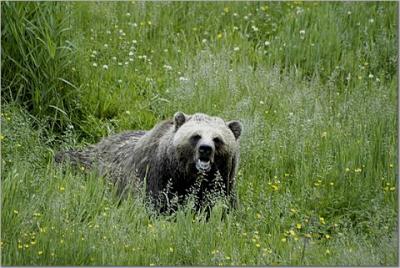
(314, 85)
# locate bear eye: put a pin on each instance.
(218, 141)
(195, 138)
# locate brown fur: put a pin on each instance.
(166, 157)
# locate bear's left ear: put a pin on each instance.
(236, 128)
(179, 119)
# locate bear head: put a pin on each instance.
(204, 143)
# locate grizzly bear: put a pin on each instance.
(189, 154)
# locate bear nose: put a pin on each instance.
(205, 151)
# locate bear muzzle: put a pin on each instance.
(205, 157)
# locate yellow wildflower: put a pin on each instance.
(268, 250)
(298, 225)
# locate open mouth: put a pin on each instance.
(203, 166)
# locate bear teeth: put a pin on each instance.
(203, 166)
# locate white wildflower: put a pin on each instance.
(167, 67)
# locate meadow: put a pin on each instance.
(313, 83)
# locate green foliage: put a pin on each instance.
(314, 85)
(36, 61)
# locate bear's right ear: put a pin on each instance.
(179, 119)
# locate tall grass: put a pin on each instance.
(36, 61)
(314, 85)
